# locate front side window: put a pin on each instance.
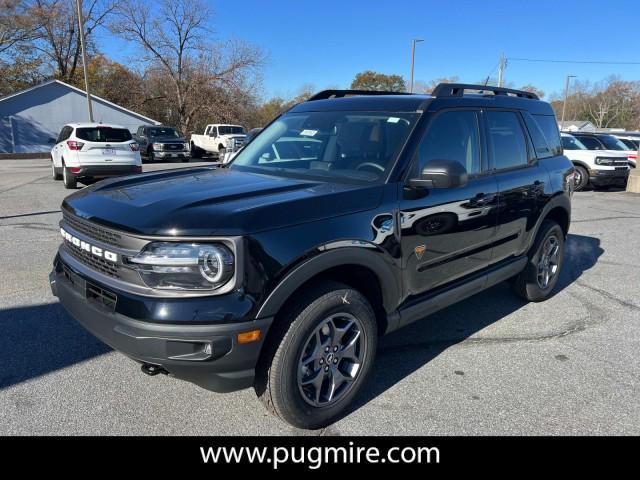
(507, 142)
(453, 136)
(347, 146)
(103, 134)
(612, 143)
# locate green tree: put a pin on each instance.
(370, 80)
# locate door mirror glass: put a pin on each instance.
(441, 174)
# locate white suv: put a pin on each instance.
(91, 151)
(598, 168)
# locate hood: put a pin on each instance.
(591, 154)
(212, 201)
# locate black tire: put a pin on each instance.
(185, 160)
(527, 284)
(195, 151)
(277, 379)
(151, 157)
(55, 172)
(221, 153)
(581, 178)
(69, 179)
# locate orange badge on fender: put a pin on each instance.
(420, 249)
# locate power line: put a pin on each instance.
(572, 61)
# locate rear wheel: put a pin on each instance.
(319, 356)
(69, 179)
(55, 173)
(536, 282)
(581, 178)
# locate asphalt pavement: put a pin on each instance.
(490, 365)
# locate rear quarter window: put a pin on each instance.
(549, 126)
(103, 134)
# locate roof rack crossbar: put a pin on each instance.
(457, 90)
(325, 94)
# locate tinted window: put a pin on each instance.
(103, 134)
(591, 143)
(452, 136)
(64, 134)
(572, 143)
(162, 132)
(352, 146)
(230, 130)
(549, 126)
(612, 143)
(506, 139)
(631, 144)
(539, 141)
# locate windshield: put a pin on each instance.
(357, 146)
(230, 130)
(103, 134)
(612, 143)
(572, 143)
(163, 132)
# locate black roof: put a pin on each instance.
(349, 100)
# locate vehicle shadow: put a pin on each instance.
(407, 350)
(36, 340)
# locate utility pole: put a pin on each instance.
(84, 57)
(566, 94)
(501, 67)
(413, 60)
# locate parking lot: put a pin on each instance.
(490, 365)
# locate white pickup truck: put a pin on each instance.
(217, 140)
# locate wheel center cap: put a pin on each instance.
(330, 358)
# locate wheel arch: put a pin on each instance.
(557, 209)
(366, 271)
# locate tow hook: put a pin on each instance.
(153, 370)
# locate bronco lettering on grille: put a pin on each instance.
(96, 251)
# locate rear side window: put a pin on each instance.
(537, 137)
(506, 140)
(103, 134)
(591, 143)
(453, 136)
(549, 126)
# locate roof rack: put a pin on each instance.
(325, 94)
(457, 90)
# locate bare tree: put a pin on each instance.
(58, 35)
(16, 25)
(177, 44)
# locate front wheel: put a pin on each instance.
(195, 151)
(319, 356)
(536, 282)
(581, 178)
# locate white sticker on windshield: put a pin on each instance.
(393, 120)
(308, 133)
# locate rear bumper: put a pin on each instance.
(205, 354)
(608, 177)
(104, 171)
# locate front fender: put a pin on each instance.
(370, 258)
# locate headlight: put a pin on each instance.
(603, 161)
(157, 146)
(185, 146)
(185, 266)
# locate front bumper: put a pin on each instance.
(608, 177)
(205, 354)
(162, 155)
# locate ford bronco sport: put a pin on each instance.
(351, 215)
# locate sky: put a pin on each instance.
(325, 42)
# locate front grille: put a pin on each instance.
(100, 264)
(172, 147)
(615, 161)
(91, 291)
(92, 230)
(237, 143)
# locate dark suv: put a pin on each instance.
(351, 215)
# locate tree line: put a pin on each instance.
(183, 74)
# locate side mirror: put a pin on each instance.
(212, 134)
(441, 174)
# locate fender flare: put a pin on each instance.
(559, 200)
(371, 259)
(581, 164)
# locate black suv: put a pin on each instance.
(158, 142)
(351, 215)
